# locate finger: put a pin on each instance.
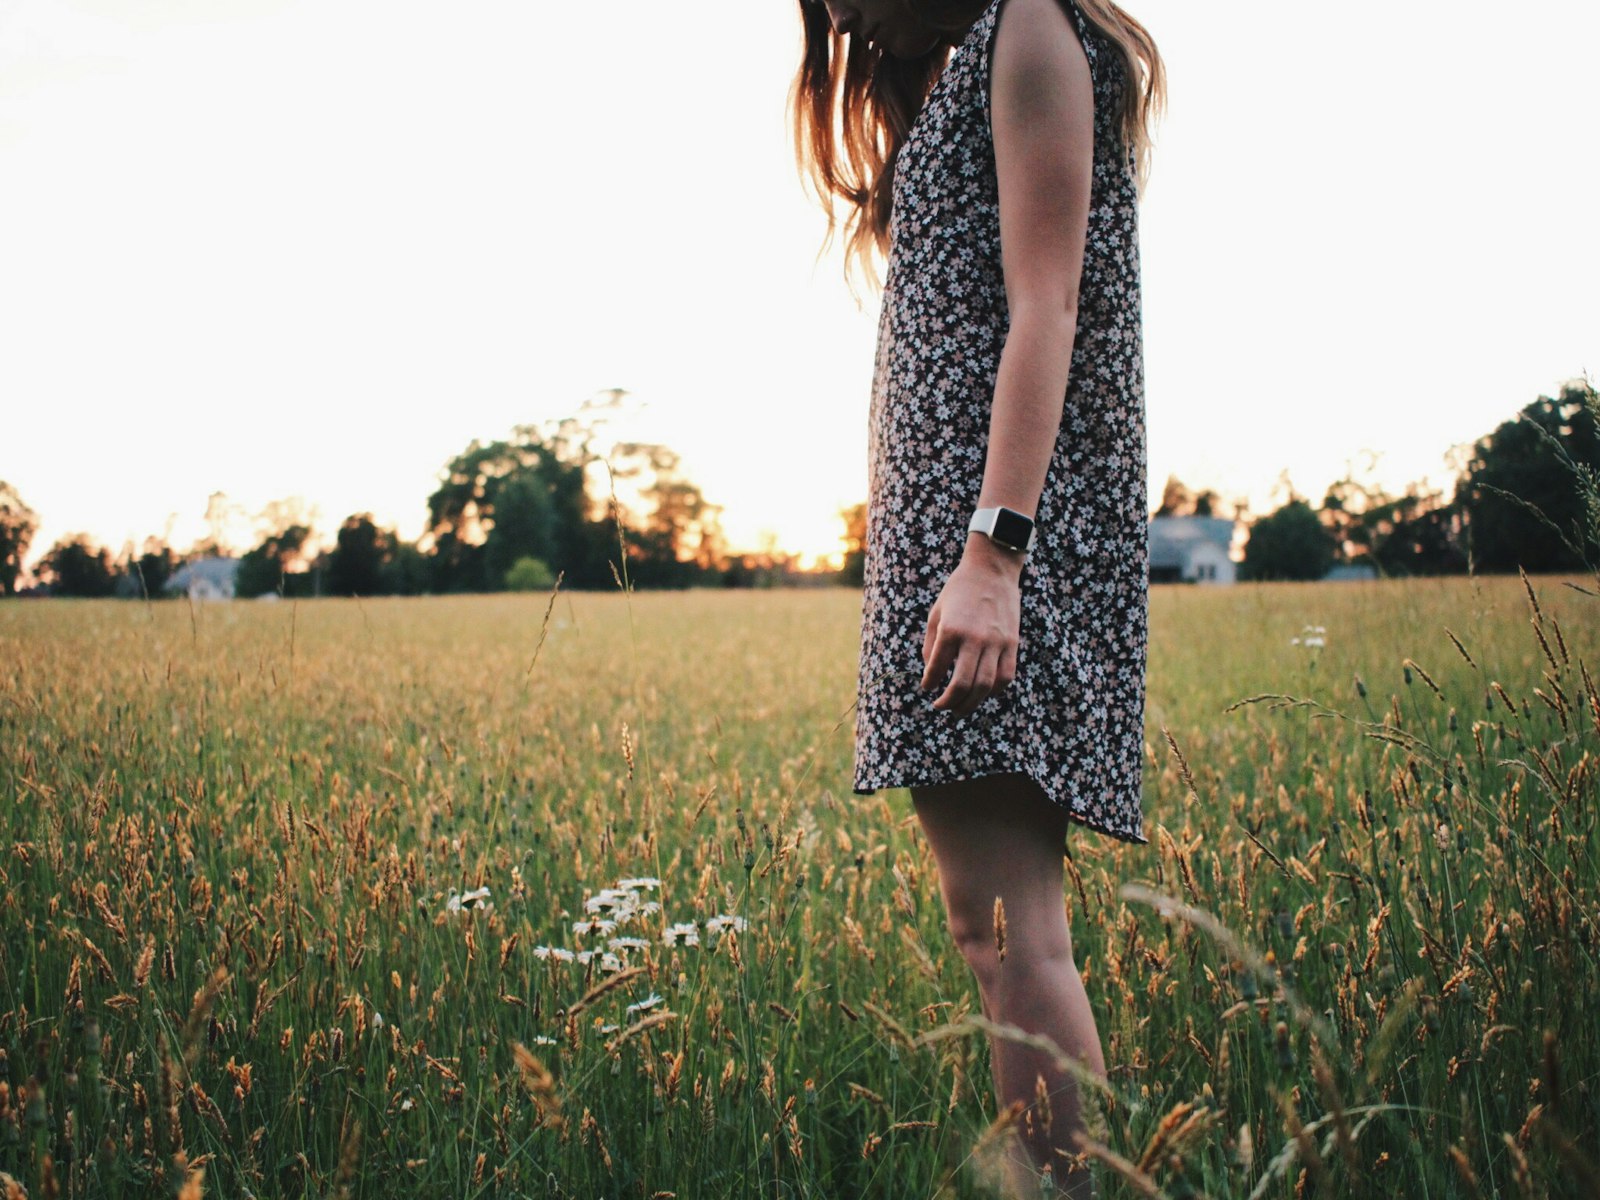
(961, 678)
(943, 657)
(930, 635)
(982, 682)
(1008, 668)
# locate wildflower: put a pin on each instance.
(649, 1001)
(540, 1039)
(723, 921)
(1312, 637)
(644, 881)
(608, 900)
(377, 1019)
(627, 943)
(555, 952)
(683, 934)
(477, 899)
(598, 925)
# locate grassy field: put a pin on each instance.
(246, 950)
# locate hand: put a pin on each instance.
(974, 627)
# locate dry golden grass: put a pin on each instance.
(247, 949)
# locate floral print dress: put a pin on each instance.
(1073, 718)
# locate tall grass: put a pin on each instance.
(246, 948)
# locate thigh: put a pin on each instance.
(998, 836)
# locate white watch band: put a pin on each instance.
(984, 520)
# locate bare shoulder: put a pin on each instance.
(1038, 57)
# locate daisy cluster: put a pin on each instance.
(624, 906)
(1313, 636)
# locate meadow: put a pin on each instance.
(570, 897)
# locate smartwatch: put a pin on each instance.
(1005, 527)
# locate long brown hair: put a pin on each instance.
(852, 107)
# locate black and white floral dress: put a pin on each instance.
(1072, 719)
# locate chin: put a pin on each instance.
(910, 46)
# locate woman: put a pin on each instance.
(992, 148)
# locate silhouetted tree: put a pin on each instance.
(406, 573)
(265, 568)
(1531, 491)
(18, 524)
(855, 545)
(677, 541)
(1410, 534)
(1290, 543)
(145, 576)
(1176, 499)
(75, 566)
(357, 563)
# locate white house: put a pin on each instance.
(1191, 550)
(205, 578)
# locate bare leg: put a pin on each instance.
(1000, 836)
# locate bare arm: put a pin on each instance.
(1042, 106)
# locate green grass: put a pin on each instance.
(229, 836)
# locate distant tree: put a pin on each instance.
(358, 562)
(406, 573)
(145, 575)
(18, 524)
(1289, 543)
(1425, 539)
(522, 496)
(75, 566)
(854, 570)
(530, 575)
(678, 538)
(222, 518)
(1530, 493)
(1176, 499)
(265, 567)
(529, 496)
(1410, 534)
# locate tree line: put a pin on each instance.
(1527, 495)
(517, 512)
(509, 514)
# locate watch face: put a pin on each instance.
(1012, 529)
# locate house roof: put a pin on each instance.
(218, 572)
(1173, 540)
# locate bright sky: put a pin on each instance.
(313, 247)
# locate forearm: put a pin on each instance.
(1029, 393)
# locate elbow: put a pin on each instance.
(1053, 315)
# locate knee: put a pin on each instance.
(976, 942)
(1030, 950)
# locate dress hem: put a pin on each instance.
(1135, 839)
